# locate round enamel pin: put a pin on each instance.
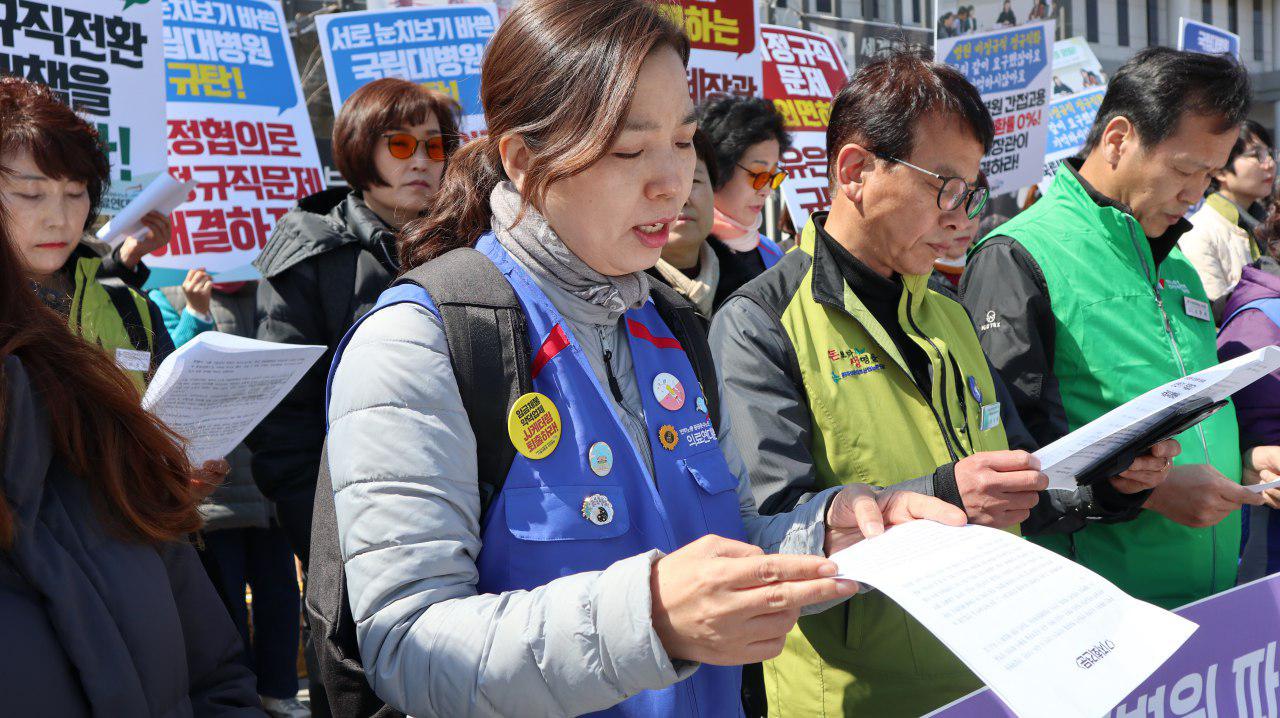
(701, 405)
(600, 456)
(668, 390)
(534, 426)
(668, 436)
(974, 390)
(597, 509)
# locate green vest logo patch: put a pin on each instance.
(852, 362)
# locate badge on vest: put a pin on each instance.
(133, 360)
(668, 436)
(597, 509)
(600, 456)
(1197, 309)
(701, 406)
(974, 390)
(669, 392)
(534, 426)
(990, 416)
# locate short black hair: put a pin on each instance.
(883, 102)
(707, 155)
(734, 124)
(1158, 85)
(1250, 130)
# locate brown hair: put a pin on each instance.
(63, 145)
(137, 473)
(377, 107)
(560, 74)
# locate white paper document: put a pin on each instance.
(215, 389)
(1259, 488)
(1068, 457)
(1050, 637)
(164, 194)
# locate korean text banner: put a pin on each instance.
(802, 72)
(104, 58)
(861, 41)
(724, 37)
(1078, 88)
(1228, 668)
(1012, 69)
(1203, 37)
(440, 47)
(238, 125)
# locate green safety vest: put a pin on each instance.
(872, 425)
(98, 316)
(1122, 327)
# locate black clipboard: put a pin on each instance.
(1182, 418)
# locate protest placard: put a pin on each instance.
(956, 18)
(1228, 667)
(1078, 87)
(802, 71)
(440, 47)
(1012, 69)
(1199, 36)
(238, 125)
(104, 58)
(861, 41)
(724, 38)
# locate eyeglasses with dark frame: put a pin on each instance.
(403, 145)
(760, 179)
(954, 193)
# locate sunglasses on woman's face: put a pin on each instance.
(403, 145)
(760, 179)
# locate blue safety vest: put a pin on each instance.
(770, 252)
(556, 516)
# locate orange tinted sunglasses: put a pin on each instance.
(760, 179)
(403, 145)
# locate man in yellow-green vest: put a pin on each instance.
(1085, 301)
(839, 365)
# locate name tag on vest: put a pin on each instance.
(1198, 309)
(133, 360)
(990, 416)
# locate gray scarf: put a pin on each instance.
(535, 245)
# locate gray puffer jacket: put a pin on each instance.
(402, 460)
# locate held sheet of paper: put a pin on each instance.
(215, 389)
(1065, 458)
(1051, 638)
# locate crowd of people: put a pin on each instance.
(584, 437)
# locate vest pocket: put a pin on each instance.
(710, 471)
(720, 513)
(554, 513)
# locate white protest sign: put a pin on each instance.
(1012, 69)
(1078, 88)
(104, 58)
(238, 125)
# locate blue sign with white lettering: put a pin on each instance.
(1203, 37)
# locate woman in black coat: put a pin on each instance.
(104, 608)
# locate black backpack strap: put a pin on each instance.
(488, 340)
(122, 299)
(690, 329)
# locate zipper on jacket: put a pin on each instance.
(1182, 369)
(613, 380)
(948, 432)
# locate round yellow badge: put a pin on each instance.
(534, 426)
(668, 436)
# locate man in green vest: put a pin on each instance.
(1084, 301)
(839, 365)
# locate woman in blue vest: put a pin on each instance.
(619, 553)
(749, 138)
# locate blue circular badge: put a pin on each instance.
(974, 390)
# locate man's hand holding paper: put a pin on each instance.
(1262, 469)
(859, 512)
(1197, 495)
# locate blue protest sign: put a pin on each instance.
(227, 51)
(440, 47)
(1203, 37)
